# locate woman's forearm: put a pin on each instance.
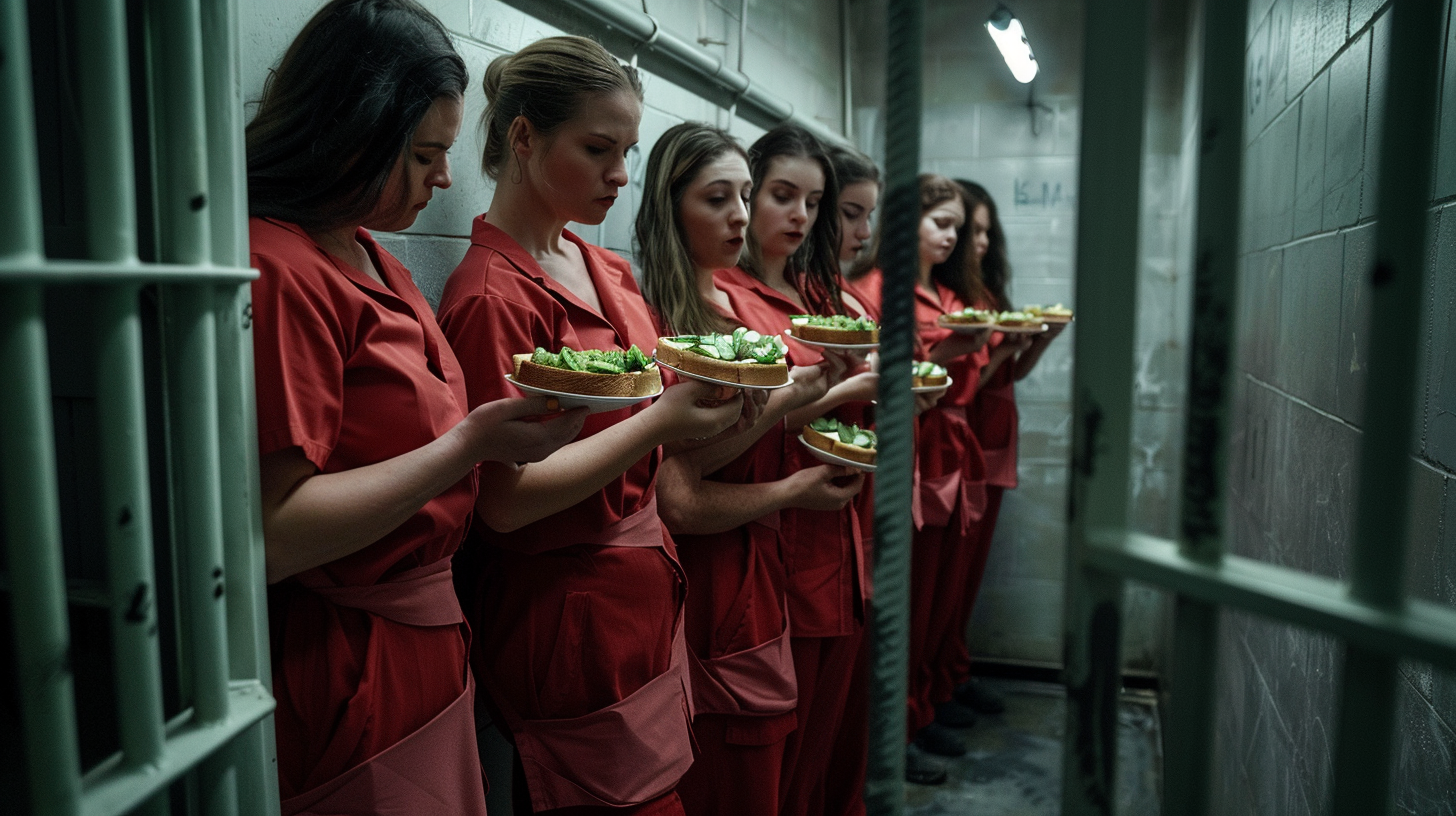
(312, 518)
(511, 498)
(691, 505)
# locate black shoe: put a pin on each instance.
(955, 715)
(941, 741)
(921, 769)
(980, 697)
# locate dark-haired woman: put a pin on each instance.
(948, 461)
(364, 503)
(993, 419)
(578, 604)
(723, 502)
(791, 267)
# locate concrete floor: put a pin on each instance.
(1014, 764)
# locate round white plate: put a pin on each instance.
(965, 328)
(931, 389)
(594, 404)
(829, 458)
(716, 381)
(841, 346)
(1037, 329)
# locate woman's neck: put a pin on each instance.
(924, 277)
(526, 218)
(708, 290)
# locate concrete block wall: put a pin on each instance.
(1315, 88)
(791, 48)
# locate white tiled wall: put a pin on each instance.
(793, 49)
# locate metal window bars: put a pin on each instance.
(222, 741)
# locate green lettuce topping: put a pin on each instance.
(594, 361)
(847, 433)
(925, 368)
(743, 345)
(836, 322)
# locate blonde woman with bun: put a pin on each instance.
(575, 595)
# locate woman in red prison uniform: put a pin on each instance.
(949, 466)
(577, 604)
(692, 221)
(791, 268)
(992, 416)
(367, 448)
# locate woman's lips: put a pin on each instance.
(607, 201)
(734, 242)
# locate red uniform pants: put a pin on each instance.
(826, 670)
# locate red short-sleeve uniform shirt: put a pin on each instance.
(562, 628)
(823, 553)
(352, 373)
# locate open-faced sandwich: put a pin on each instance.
(969, 317)
(928, 375)
(835, 329)
(1018, 319)
(612, 373)
(842, 439)
(1050, 314)
(745, 356)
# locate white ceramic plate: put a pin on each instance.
(932, 389)
(965, 328)
(829, 458)
(842, 346)
(594, 404)
(716, 381)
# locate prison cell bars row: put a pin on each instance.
(1370, 613)
(222, 743)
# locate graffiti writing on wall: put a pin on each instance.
(1040, 194)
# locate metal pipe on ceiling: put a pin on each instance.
(669, 56)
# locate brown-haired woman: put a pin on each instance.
(993, 419)
(948, 461)
(723, 502)
(363, 504)
(791, 267)
(577, 604)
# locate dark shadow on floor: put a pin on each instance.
(1014, 767)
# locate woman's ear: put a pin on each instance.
(522, 137)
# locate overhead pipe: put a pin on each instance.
(669, 56)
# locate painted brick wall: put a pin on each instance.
(792, 48)
(1314, 93)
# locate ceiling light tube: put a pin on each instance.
(1010, 37)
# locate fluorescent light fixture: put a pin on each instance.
(1010, 37)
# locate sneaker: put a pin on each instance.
(955, 715)
(941, 741)
(921, 769)
(980, 697)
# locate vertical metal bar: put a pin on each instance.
(32, 530)
(192, 401)
(177, 76)
(227, 173)
(33, 555)
(1377, 564)
(1109, 184)
(251, 759)
(890, 632)
(101, 54)
(20, 225)
(1187, 763)
(127, 516)
(846, 78)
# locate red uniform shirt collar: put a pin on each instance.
(609, 282)
(386, 270)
